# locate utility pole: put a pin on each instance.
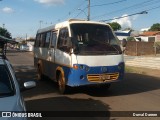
(3, 25)
(26, 37)
(89, 4)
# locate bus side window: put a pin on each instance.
(54, 38)
(43, 39)
(62, 40)
(37, 40)
(47, 41)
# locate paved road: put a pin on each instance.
(136, 93)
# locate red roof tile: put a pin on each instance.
(150, 33)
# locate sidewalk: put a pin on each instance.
(151, 62)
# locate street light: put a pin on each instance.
(143, 12)
(3, 25)
(83, 12)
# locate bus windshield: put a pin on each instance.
(94, 39)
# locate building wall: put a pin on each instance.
(140, 48)
(146, 38)
(157, 38)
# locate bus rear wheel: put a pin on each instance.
(40, 75)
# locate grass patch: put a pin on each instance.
(130, 69)
(143, 71)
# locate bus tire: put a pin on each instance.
(40, 75)
(62, 84)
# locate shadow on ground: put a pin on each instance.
(132, 84)
(70, 109)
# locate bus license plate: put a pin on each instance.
(105, 77)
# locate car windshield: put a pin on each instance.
(6, 85)
(94, 39)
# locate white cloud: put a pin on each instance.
(7, 10)
(125, 22)
(145, 29)
(50, 2)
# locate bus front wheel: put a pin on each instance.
(61, 84)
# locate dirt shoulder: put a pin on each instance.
(144, 71)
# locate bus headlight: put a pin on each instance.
(81, 67)
(75, 67)
(84, 67)
(87, 68)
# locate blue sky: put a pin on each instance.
(21, 17)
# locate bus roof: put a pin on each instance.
(66, 23)
(84, 21)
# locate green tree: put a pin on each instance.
(155, 27)
(128, 29)
(4, 32)
(115, 26)
(130, 39)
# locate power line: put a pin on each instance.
(73, 10)
(76, 8)
(98, 5)
(111, 3)
(132, 6)
(156, 7)
(143, 12)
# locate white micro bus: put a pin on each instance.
(78, 53)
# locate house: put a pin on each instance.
(123, 34)
(149, 36)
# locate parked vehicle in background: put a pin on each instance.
(78, 53)
(24, 47)
(30, 45)
(11, 99)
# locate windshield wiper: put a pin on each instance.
(106, 43)
(113, 47)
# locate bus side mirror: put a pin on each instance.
(71, 51)
(75, 51)
(73, 45)
(69, 42)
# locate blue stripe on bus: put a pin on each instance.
(78, 77)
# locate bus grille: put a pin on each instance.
(102, 77)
